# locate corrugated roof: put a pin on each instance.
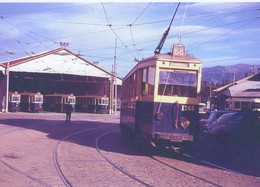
(26, 59)
(245, 87)
(39, 60)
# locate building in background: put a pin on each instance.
(242, 95)
(58, 71)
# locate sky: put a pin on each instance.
(217, 33)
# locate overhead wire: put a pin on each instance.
(19, 42)
(10, 23)
(116, 33)
(224, 33)
(183, 19)
(135, 24)
(153, 22)
(131, 32)
(197, 31)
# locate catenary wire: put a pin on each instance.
(116, 33)
(224, 33)
(131, 32)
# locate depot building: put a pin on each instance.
(59, 71)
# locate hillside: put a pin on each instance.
(225, 73)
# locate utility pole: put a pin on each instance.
(111, 98)
(115, 72)
(7, 81)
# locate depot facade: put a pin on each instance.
(56, 71)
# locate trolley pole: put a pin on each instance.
(7, 82)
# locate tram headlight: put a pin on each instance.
(158, 116)
(185, 123)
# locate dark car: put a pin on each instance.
(214, 115)
(243, 127)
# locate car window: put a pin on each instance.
(237, 117)
(220, 114)
(224, 117)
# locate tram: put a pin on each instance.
(243, 104)
(58, 102)
(160, 100)
(14, 102)
(31, 102)
(92, 104)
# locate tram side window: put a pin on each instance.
(151, 77)
(132, 85)
(128, 87)
(144, 78)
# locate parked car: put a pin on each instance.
(216, 128)
(243, 127)
(214, 115)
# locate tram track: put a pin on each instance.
(115, 165)
(207, 180)
(61, 174)
(184, 172)
(105, 131)
(152, 157)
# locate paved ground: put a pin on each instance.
(27, 142)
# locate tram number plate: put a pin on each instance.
(187, 108)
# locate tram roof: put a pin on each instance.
(169, 56)
(31, 93)
(59, 95)
(58, 61)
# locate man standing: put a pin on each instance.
(68, 112)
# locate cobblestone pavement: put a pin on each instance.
(27, 142)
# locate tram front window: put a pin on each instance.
(15, 99)
(178, 83)
(38, 99)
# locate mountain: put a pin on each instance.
(225, 73)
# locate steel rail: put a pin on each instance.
(116, 166)
(55, 159)
(184, 172)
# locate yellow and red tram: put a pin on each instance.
(160, 99)
(58, 102)
(14, 100)
(92, 104)
(31, 102)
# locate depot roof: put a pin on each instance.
(58, 61)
